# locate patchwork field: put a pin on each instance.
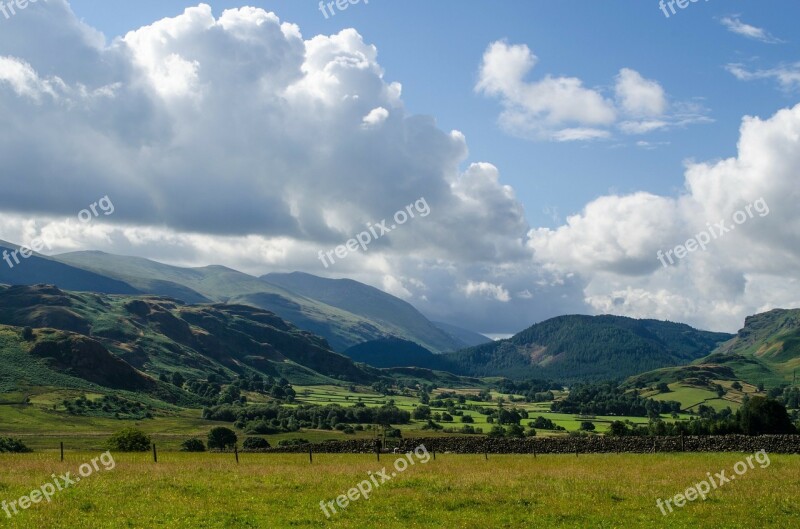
(42, 422)
(210, 491)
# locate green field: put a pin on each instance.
(455, 491)
(43, 422)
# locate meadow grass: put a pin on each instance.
(205, 491)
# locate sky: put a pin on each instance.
(571, 156)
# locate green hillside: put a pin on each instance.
(570, 348)
(765, 351)
(38, 269)
(394, 352)
(129, 342)
(339, 326)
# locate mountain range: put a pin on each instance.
(344, 312)
(158, 318)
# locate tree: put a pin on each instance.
(587, 426)
(229, 395)
(130, 440)
(27, 334)
(221, 438)
(737, 386)
(497, 431)
(618, 428)
(422, 412)
(663, 388)
(467, 419)
(178, 379)
(193, 445)
(764, 416)
(515, 430)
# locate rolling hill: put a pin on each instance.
(38, 269)
(129, 342)
(382, 317)
(394, 352)
(571, 348)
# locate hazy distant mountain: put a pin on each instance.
(402, 318)
(384, 315)
(588, 348)
(470, 338)
(38, 269)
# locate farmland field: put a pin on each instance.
(456, 491)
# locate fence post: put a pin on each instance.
(155, 454)
(236, 452)
(683, 444)
(62, 451)
(434, 455)
(310, 455)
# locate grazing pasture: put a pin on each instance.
(210, 491)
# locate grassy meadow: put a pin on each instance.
(205, 491)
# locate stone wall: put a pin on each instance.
(777, 444)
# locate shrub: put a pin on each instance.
(27, 334)
(497, 431)
(7, 444)
(394, 433)
(221, 438)
(467, 419)
(130, 440)
(293, 442)
(255, 443)
(193, 445)
(515, 430)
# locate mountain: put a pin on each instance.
(40, 269)
(400, 318)
(572, 348)
(129, 342)
(339, 326)
(394, 352)
(469, 338)
(765, 351)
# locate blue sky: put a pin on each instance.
(562, 147)
(434, 49)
